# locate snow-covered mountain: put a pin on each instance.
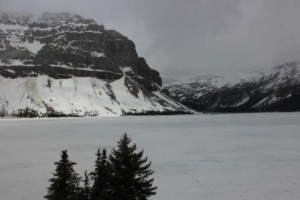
(277, 89)
(65, 64)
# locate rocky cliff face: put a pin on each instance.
(73, 42)
(275, 90)
(48, 51)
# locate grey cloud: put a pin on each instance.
(194, 37)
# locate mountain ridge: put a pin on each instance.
(67, 65)
(260, 91)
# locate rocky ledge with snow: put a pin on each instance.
(64, 64)
(277, 89)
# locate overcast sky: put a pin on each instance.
(185, 38)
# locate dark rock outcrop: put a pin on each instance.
(70, 40)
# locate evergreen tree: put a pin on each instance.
(131, 172)
(85, 193)
(65, 185)
(101, 189)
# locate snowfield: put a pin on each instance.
(209, 157)
(81, 96)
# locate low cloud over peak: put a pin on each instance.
(193, 37)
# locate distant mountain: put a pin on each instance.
(64, 64)
(168, 81)
(274, 90)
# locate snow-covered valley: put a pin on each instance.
(215, 157)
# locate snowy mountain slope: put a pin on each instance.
(80, 96)
(63, 64)
(270, 90)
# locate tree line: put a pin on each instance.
(124, 174)
(153, 112)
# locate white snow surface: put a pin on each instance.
(214, 157)
(3, 47)
(34, 47)
(289, 70)
(97, 54)
(15, 32)
(8, 27)
(79, 96)
(126, 69)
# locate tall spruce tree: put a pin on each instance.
(131, 172)
(65, 185)
(85, 191)
(101, 176)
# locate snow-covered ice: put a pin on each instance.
(213, 157)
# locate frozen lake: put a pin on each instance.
(209, 157)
